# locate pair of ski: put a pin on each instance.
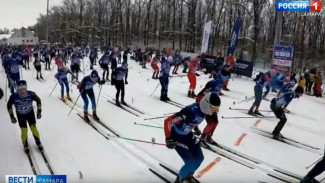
(252, 163)
(170, 171)
(171, 102)
(45, 158)
(126, 108)
(286, 140)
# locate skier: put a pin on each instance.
(191, 75)
(214, 85)
(92, 57)
(25, 59)
(177, 61)
(262, 80)
(154, 65)
(11, 66)
(318, 85)
(104, 62)
(47, 57)
(86, 88)
(230, 63)
(59, 59)
(277, 105)
(164, 76)
(287, 86)
(61, 76)
(38, 67)
(178, 131)
(23, 100)
(118, 75)
(315, 171)
(75, 64)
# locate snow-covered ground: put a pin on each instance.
(84, 155)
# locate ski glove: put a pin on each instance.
(79, 86)
(197, 131)
(39, 114)
(170, 143)
(13, 120)
(101, 82)
(197, 74)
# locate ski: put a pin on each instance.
(241, 109)
(47, 162)
(160, 176)
(132, 107)
(208, 147)
(127, 110)
(93, 127)
(235, 153)
(176, 103)
(288, 139)
(174, 172)
(31, 163)
(269, 135)
(104, 125)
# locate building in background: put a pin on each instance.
(23, 36)
(4, 39)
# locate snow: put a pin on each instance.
(81, 153)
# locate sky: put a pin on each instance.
(18, 13)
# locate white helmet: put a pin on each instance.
(210, 103)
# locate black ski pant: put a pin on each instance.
(279, 113)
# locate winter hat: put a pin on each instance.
(21, 84)
(94, 74)
(209, 101)
(299, 89)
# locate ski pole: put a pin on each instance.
(6, 88)
(137, 140)
(239, 117)
(100, 90)
(152, 126)
(21, 71)
(54, 88)
(170, 113)
(155, 89)
(237, 109)
(155, 117)
(314, 162)
(246, 100)
(75, 103)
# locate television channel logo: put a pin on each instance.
(303, 6)
(36, 178)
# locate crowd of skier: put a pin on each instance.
(181, 127)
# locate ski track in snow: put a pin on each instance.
(77, 150)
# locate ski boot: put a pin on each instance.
(42, 77)
(250, 112)
(86, 118)
(68, 96)
(124, 103)
(189, 94)
(307, 179)
(278, 136)
(211, 141)
(39, 145)
(37, 77)
(26, 147)
(63, 99)
(188, 179)
(126, 82)
(163, 97)
(167, 98)
(95, 116)
(193, 94)
(118, 103)
(258, 113)
(225, 88)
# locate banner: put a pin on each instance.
(283, 57)
(206, 35)
(244, 68)
(234, 37)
